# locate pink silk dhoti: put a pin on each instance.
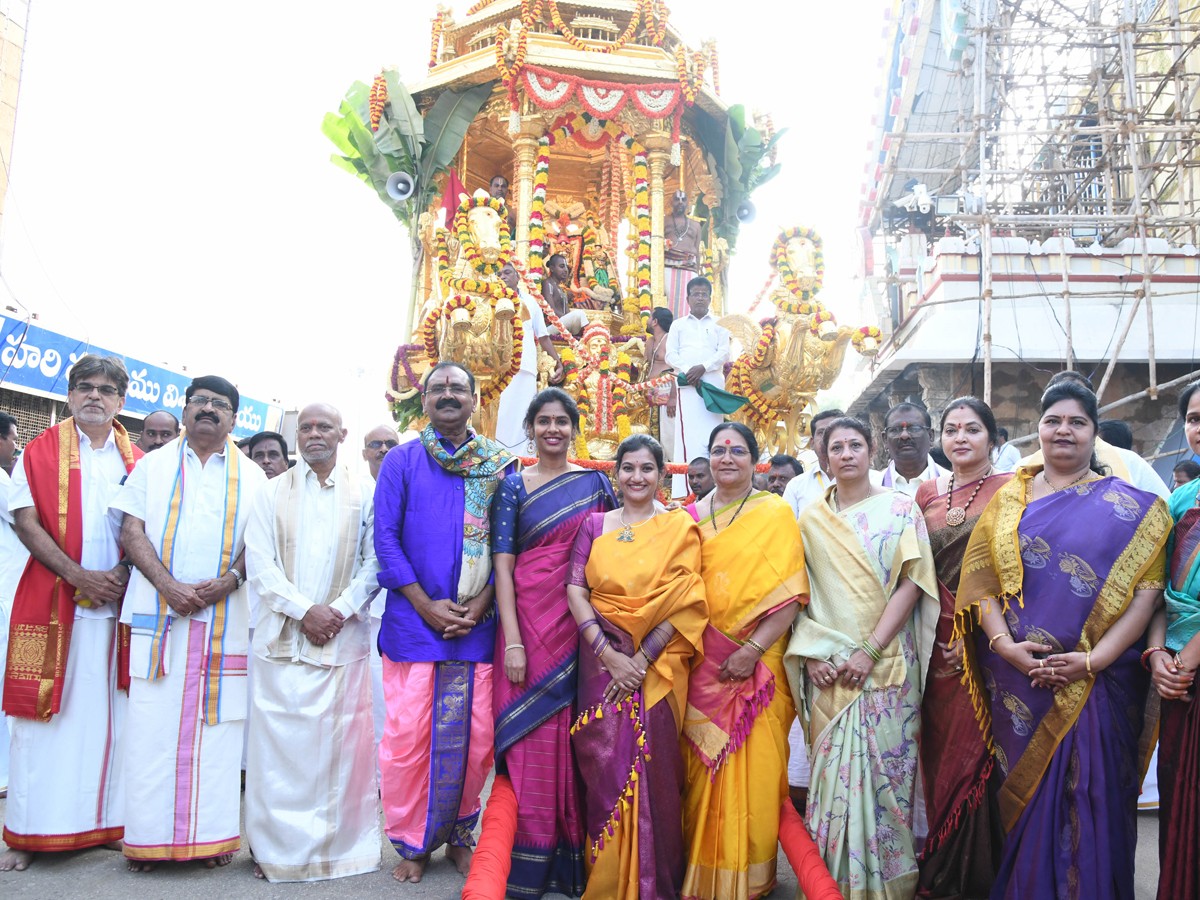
(435, 754)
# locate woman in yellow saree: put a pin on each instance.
(856, 662)
(739, 706)
(636, 594)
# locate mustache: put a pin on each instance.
(448, 403)
(212, 417)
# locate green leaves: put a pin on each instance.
(404, 141)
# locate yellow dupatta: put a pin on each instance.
(848, 598)
(993, 572)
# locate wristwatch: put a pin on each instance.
(241, 579)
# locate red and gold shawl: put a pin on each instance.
(44, 607)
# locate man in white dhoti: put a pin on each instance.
(12, 561)
(376, 444)
(698, 347)
(310, 553)
(186, 508)
(515, 399)
(61, 679)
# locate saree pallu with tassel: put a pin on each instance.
(533, 719)
(963, 848)
(736, 747)
(1068, 759)
(1179, 735)
(629, 753)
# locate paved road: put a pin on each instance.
(101, 875)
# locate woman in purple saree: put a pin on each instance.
(1058, 583)
(534, 523)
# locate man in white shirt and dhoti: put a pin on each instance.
(515, 399)
(312, 807)
(61, 685)
(698, 348)
(186, 507)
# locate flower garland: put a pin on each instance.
(428, 333)
(761, 409)
(480, 7)
(621, 395)
(658, 14)
(787, 277)
(823, 325)
(378, 100)
(642, 8)
(500, 382)
(466, 240)
(864, 334)
(435, 39)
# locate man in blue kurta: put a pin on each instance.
(432, 503)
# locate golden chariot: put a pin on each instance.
(593, 114)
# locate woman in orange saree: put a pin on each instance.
(636, 594)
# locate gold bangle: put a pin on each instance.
(995, 637)
(1087, 661)
(756, 645)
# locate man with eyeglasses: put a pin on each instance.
(908, 435)
(67, 719)
(432, 539)
(378, 441)
(310, 550)
(185, 514)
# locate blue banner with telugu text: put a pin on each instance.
(32, 357)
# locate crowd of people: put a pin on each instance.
(944, 667)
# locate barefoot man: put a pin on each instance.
(432, 531)
(60, 686)
(185, 509)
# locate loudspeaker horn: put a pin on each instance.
(746, 212)
(401, 186)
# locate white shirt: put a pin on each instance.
(534, 328)
(101, 472)
(894, 480)
(698, 342)
(283, 597)
(1008, 458)
(200, 534)
(13, 554)
(806, 488)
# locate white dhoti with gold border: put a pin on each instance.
(182, 776)
(312, 801)
(65, 791)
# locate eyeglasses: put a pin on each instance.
(458, 390)
(735, 452)
(217, 403)
(105, 390)
(897, 430)
(379, 445)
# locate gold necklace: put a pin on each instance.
(1055, 490)
(957, 515)
(626, 535)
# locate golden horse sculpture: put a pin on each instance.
(785, 363)
(472, 319)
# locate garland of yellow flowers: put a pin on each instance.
(787, 277)
(435, 38)
(429, 340)
(378, 100)
(641, 209)
(739, 376)
(621, 395)
(572, 380)
(819, 317)
(643, 8)
(861, 334)
(466, 240)
(507, 75)
(498, 384)
(531, 12)
(480, 7)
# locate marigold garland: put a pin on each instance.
(378, 99)
(480, 7)
(820, 317)
(787, 277)
(642, 9)
(466, 240)
(435, 38)
(863, 334)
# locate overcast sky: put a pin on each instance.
(172, 197)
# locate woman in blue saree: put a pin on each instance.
(534, 523)
(1059, 581)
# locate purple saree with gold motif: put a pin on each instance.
(533, 719)
(1069, 759)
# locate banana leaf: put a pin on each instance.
(446, 125)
